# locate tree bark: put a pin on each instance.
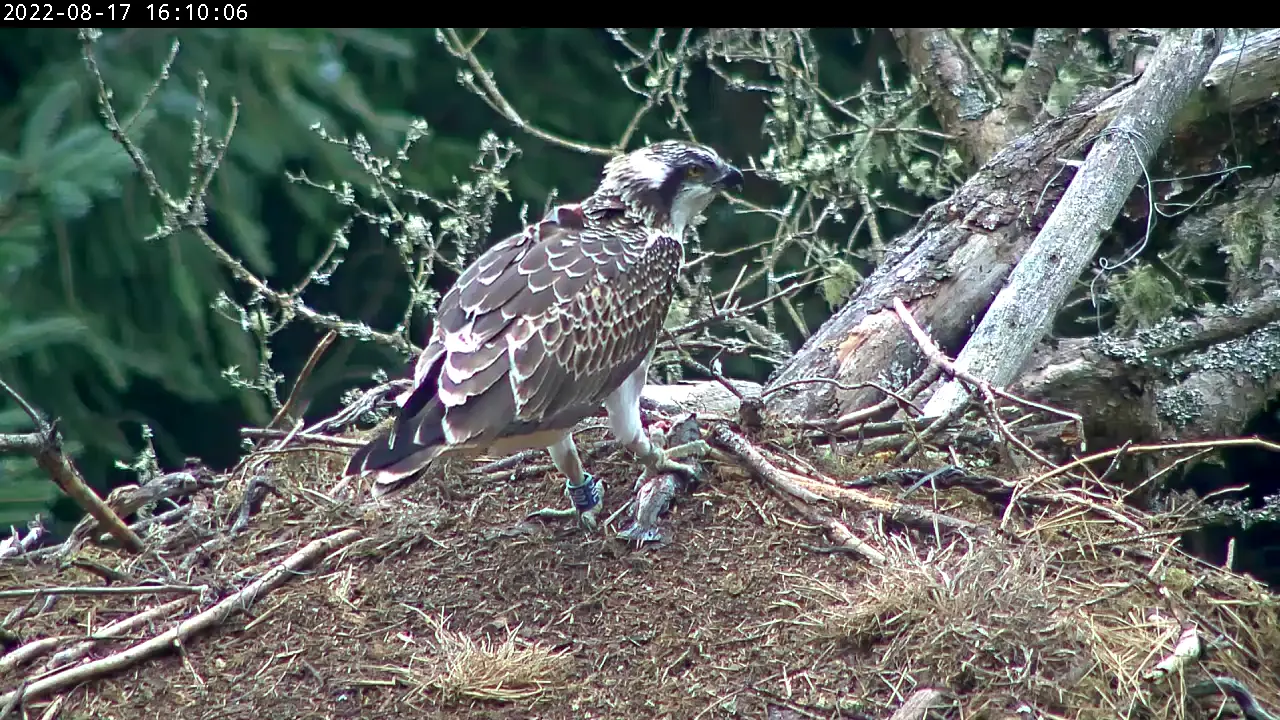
(968, 102)
(1050, 50)
(959, 256)
(1022, 311)
(1192, 380)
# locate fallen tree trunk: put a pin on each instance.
(1022, 311)
(1190, 380)
(962, 251)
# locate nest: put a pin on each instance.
(267, 593)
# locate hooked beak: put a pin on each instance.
(731, 179)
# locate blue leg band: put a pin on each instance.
(585, 496)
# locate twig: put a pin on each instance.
(892, 395)
(928, 432)
(52, 710)
(340, 442)
(937, 358)
(506, 464)
(17, 614)
(168, 517)
(127, 500)
(188, 213)
(488, 91)
(729, 313)
(107, 590)
(911, 391)
(303, 374)
(842, 538)
(757, 463)
(811, 490)
(1140, 449)
(366, 403)
(36, 418)
(950, 368)
(254, 495)
(235, 603)
(692, 362)
(12, 704)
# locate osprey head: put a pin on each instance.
(670, 182)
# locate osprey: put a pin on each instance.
(553, 322)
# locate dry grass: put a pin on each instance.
(1006, 623)
(966, 615)
(451, 605)
(459, 666)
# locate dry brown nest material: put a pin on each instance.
(446, 603)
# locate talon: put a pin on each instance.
(695, 449)
(587, 500)
(689, 470)
(660, 461)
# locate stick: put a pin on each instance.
(46, 448)
(810, 490)
(1139, 449)
(28, 652)
(12, 705)
(112, 590)
(294, 395)
(235, 603)
(842, 538)
(62, 658)
(936, 357)
(767, 471)
(341, 442)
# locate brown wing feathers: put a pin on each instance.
(533, 336)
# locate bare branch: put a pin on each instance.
(961, 92)
(46, 446)
(294, 398)
(1050, 50)
(488, 91)
(188, 213)
(104, 590)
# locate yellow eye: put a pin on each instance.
(694, 172)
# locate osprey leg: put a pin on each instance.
(585, 492)
(623, 408)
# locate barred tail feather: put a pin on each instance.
(394, 457)
(401, 474)
(392, 467)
